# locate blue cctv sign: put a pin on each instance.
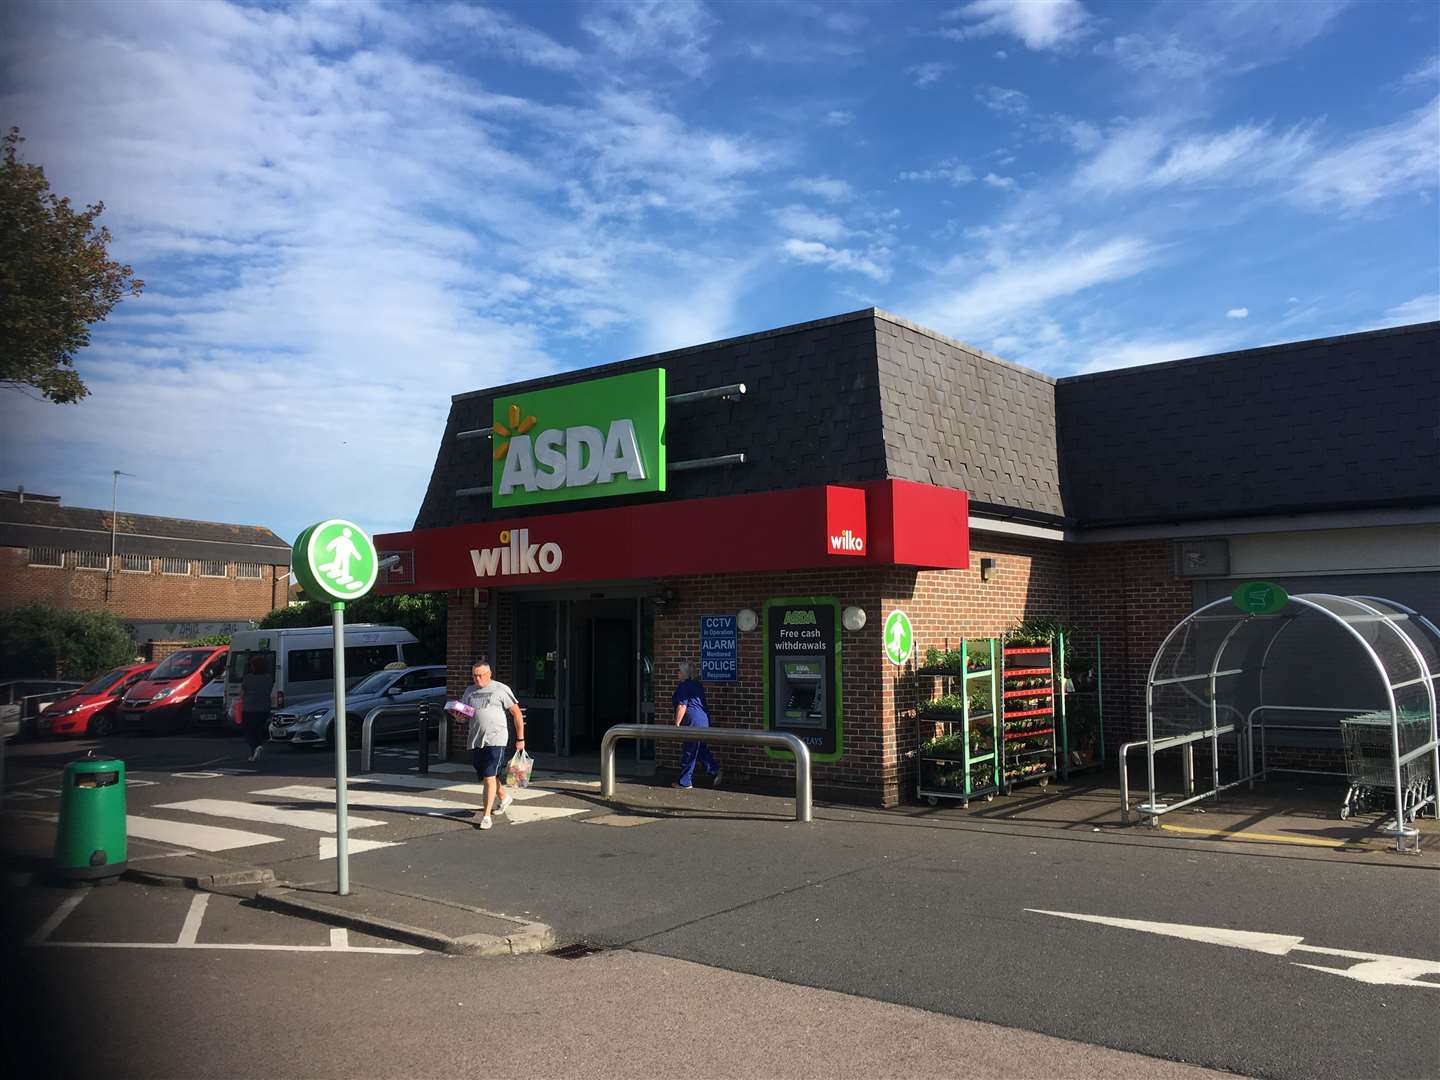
(719, 649)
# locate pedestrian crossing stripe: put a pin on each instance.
(429, 783)
(420, 804)
(314, 820)
(201, 837)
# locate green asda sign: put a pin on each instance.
(589, 440)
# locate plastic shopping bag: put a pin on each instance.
(459, 708)
(517, 772)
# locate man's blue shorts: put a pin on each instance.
(488, 760)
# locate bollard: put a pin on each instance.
(424, 720)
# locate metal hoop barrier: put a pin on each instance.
(780, 740)
(367, 734)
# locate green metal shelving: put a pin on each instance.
(962, 760)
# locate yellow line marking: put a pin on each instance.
(1241, 834)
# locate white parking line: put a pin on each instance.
(58, 916)
(193, 918)
(201, 837)
(314, 820)
(229, 946)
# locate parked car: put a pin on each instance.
(23, 700)
(92, 709)
(164, 698)
(311, 720)
(209, 709)
(300, 660)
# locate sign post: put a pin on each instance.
(335, 559)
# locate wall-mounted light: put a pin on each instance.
(987, 569)
(661, 599)
(747, 620)
(853, 618)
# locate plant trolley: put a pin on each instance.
(958, 729)
(1028, 700)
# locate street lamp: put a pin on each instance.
(115, 475)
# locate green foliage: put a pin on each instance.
(208, 639)
(56, 278)
(423, 614)
(955, 660)
(39, 641)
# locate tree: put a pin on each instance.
(56, 278)
(423, 614)
(39, 641)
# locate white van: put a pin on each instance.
(302, 659)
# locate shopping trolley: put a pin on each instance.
(1370, 763)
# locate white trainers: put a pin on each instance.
(486, 823)
(255, 754)
(505, 804)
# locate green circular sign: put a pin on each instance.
(1260, 597)
(899, 637)
(334, 559)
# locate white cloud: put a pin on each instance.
(804, 222)
(1001, 54)
(923, 75)
(1238, 313)
(815, 253)
(1041, 24)
(1005, 183)
(824, 187)
(1017, 286)
(1121, 353)
(839, 118)
(1427, 74)
(512, 38)
(1420, 309)
(1002, 100)
(1148, 155)
(676, 32)
(1377, 164)
(950, 171)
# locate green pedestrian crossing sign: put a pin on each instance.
(334, 560)
(899, 638)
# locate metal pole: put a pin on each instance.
(342, 839)
(424, 722)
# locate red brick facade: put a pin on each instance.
(1126, 593)
(148, 595)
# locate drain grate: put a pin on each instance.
(576, 950)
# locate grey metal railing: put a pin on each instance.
(367, 731)
(781, 740)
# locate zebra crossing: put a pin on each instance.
(291, 812)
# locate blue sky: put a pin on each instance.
(345, 213)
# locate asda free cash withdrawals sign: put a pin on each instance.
(587, 440)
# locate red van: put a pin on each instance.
(163, 698)
(92, 709)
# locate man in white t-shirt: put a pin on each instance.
(489, 734)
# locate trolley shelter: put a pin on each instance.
(1261, 675)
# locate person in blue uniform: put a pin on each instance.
(690, 711)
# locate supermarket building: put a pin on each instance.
(760, 506)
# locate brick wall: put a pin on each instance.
(141, 596)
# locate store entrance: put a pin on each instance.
(583, 664)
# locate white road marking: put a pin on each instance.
(24, 795)
(227, 945)
(197, 775)
(524, 815)
(193, 918)
(339, 937)
(130, 781)
(48, 790)
(405, 804)
(1377, 969)
(58, 916)
(201, 837)
(427, 783)
(328, 844)
(314, 820)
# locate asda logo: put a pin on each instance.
(516, 555)
(583, 441)
(799, 618)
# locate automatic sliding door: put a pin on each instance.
(537, 680)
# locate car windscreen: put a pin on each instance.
(103, 683)
(373, 684)
(178, 665)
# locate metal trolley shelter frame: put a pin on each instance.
(1215, 661)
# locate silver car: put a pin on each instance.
(311, 721)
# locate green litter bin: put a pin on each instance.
(90, 842)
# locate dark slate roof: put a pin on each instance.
(811, 415)
(1332, 424)
(75, 528)
(957, 417)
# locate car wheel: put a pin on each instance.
(101, 725)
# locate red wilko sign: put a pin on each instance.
(845, 521)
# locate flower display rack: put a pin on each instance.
(1028, 712)
(959, 755)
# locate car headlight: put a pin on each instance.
(318, 714)
(163, 693)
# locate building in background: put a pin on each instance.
(170, 580)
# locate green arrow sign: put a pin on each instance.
(334, 559)
(899, 637)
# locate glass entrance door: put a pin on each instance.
(541, 627)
